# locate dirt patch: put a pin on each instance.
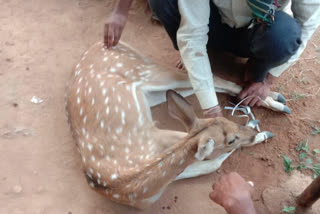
(42, 40)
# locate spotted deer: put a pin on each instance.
(125, 156)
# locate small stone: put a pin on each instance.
(17, 189)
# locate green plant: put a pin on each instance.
(287, 162)
(315, 130)
(289, 209)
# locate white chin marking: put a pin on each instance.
(205, 151)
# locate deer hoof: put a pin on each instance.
(287, 110)
(281, 99)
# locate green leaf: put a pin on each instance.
(317, 151)
(302, 155)
(288, 209)
(287, 162)
(317, 166)
(315, 176)
(309, 161)
(301, 166)
(315, 130)
(303, 146)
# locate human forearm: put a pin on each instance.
(307, 12)
(192, 40)
(122, 7)
(241, 207)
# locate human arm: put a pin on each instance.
(234, 194)
(307, 12)
(192, 38)
(116, 22)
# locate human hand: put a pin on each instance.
(113, 29)
(215, 111)
(234, 194)
(256, 93)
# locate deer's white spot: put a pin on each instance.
(141, 157)
(78, 90)
(83, 131)
(113, 89)
(105, 58)
(147, 156)
(98, 164)
(98, 181)
(164, 173)
(119, 98)
(85, 119)
(87, 136)
(104, 92)
(160, 164)
(116, 108)
(82, 144)
(97, 115)
(128, 186)
(106, 100)
(142, 148)
(112, 148)
(102, 124)
(115, 162)
(91, 170)
(78, 65)
(92, 101)
(119, 130)
(104, 184)
(99, 76)
(114, 176)
(107, 157)
(83, 159)
(123, 118)
(101, 84)
(116, 196)
(119, 64)
(81, 111)
(112, 70)
(92, 184)
(90, 146)
(129, 141)
(80, 80)
(90, 90)
(130, 161)
(99, 175)
(78, 100)
(93, 158)
(126, 150)
(129, 106)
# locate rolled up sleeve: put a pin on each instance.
(192, 38)
(307, 12)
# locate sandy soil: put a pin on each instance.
(42, 40)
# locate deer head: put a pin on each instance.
(214, 136)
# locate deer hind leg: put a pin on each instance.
(275, 101)
(155, 88)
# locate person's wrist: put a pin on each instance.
(270, 79)
(240, 205)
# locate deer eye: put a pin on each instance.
(232, 141)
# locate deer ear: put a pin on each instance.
(180, 109)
